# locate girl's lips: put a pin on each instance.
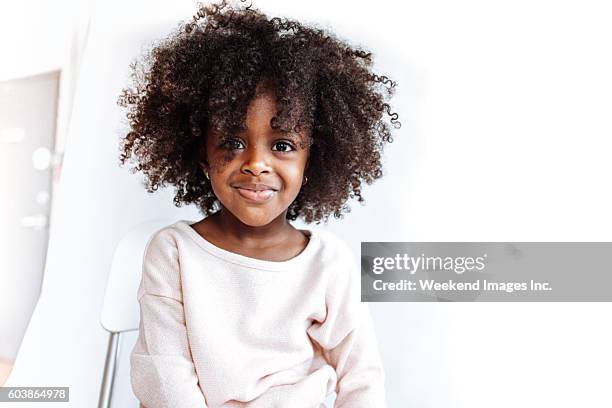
(257, 196)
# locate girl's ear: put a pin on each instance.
(204, 166)
(203, 158)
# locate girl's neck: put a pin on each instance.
(248, 236)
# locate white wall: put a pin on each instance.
(96, 202)
(505, 111)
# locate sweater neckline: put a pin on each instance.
(247, 261)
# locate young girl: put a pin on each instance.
(257, 121)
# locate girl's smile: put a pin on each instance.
(255, 192)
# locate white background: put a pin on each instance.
(506, 136)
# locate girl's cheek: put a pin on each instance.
(221, 161)
(227, 157)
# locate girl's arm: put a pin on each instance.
(349, 343)
(162, 370)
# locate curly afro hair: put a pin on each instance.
(204, 76)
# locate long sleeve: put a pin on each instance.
(162, 370)
(348, 341)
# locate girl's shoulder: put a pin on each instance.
(332, 245)
(167, 237)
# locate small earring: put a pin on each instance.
(305, 180)
(206, 175)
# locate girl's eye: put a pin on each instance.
(232, 144)
(283, 147)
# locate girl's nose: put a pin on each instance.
(256, 160)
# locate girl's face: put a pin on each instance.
(258, 173)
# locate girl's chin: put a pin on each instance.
(256, 220)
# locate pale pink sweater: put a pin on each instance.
(218, 329)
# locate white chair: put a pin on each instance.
(120, 310)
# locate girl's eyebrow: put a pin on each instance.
(290, 135)
(294, 136)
